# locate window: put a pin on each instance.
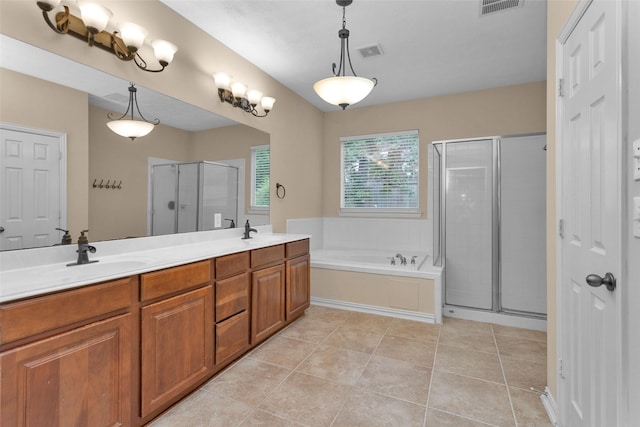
(380, 174)
(260, 169)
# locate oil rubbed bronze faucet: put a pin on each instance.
(83, 248)
(247, 230)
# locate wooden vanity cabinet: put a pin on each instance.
(231, 307)
(176, 341)
(298, 280)
(73, 365)
(267, 292)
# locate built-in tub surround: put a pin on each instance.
(351, 266)
(32, 272)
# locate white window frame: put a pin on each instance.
(253, 207)
(377, 212)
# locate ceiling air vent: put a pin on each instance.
(369, 51)
(489, 7)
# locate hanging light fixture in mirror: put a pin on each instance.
(341, 89)
(131, 128)
(90, 27)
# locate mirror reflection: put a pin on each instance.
(106, 182)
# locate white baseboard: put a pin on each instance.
(373, 309)
(550, 406)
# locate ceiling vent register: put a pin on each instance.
(489, 7)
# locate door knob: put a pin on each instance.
(1, 229)
(609, 280)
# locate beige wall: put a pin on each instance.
(35, 103)
(558, 11)
(295, 126)
(501, 111)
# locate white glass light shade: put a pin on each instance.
(164, 50)
(238, 89)
(223, 80)
(94, 16)
(254, 97)
(130, 128)
(51, 4)
(133, 35)
(343, 90)
(267, 103)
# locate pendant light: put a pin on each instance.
(131, 128)
(343, 90)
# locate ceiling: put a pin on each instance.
(430, 47)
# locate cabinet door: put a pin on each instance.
(267, 302)
(298, 286)
(232, 337)
(79, 378)
(177, 346)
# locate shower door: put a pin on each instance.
(469, 180)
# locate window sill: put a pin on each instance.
(379, 213)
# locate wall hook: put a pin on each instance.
(101, 186)
(108, 181)
(120, 185)
(94, 183)
(284, 191)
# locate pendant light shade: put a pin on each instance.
(128, 126)
(343, 90)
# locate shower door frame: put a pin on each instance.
(496, 268)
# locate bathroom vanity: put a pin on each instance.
(121, 351)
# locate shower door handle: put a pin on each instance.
(595, 281)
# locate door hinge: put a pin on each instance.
(561, 87)
(561, 228)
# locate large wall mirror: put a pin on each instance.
(82, 97)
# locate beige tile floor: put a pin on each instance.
(342, 368)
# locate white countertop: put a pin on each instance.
(21, 277)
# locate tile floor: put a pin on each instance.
(343, 368)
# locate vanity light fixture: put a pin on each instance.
(124, 43)
(131, 128)
(237, 94)
(341, 89)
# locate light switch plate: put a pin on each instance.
(217, 220)
(636, 217)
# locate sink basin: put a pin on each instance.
(106, 266)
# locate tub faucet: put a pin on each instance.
(83, 249)
(403, 260)
(247, 230)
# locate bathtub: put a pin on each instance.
(365, 280)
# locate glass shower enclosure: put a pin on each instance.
(193, 196)
(490, 223)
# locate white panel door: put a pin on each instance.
(30, 191)
(590, 347)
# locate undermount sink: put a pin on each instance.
(107, 266)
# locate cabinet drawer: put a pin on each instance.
(232, 336)
(297, 248)
(41, 314)
(232, 296)
(173, 280)
(230, 265)
(267, 256)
